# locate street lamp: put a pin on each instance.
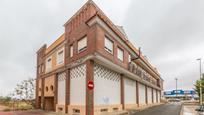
(176, 86)
(199, 59)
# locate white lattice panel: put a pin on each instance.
(107, 86)
(149, 93)
(61, 88)
(130, 91)
(78, 85)
(142, 95)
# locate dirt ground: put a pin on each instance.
(2, 108)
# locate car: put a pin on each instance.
(174, 100)
(200, 110)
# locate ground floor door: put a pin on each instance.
(39, 102)
(49, 103)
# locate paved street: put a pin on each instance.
(168, 109)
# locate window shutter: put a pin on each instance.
(82, 44)
(49, 64)
(120, 54)
(108, 45)
(71, 51)
(60, 57)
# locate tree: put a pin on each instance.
(5, 100)
(197, 86)
(25, 91)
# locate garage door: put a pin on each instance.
(107, 86)
(130, 91)
(155, 96)
(149, 93)
(61, 89)
(142, 95)
(158, 95)
(78, 85)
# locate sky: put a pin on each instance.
(170, 33)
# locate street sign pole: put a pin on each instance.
(176, 87)
(200, 82)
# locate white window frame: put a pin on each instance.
(48, 65)
(71, 50)
(108, 45)
(60, 60)
(129, 58)
(120, 56)
(82, 46)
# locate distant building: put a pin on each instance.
(181, 94)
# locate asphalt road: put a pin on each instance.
(167, 109)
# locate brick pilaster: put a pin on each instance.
(55, 90)
(67, 96)
(152, 95)
(89, 93)
(137, 93)
(122, 92)
(42, 94)
(146, 96)
(37, 105)
(157, 96)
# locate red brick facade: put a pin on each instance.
(79, 26)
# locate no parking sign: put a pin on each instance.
(90, 85)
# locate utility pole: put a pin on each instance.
(176, 87)
(200, 82)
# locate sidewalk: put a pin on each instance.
(189, 110)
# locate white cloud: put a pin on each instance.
(170, 33)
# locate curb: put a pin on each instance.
(181, 111)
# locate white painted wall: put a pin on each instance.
(142, 99)
(155, 95)
(107, 86)
(78, 85)
(130, 91)
(149, 93)
(61, 89)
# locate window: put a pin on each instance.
(71, 51)
(52, 88)
(60, 56)
(48, 64)
(120, 54)
(129, 58)
(108, 45)
(82, 44)
(46, 89)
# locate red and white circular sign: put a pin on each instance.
(90, 85)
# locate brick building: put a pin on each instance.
(94, 52)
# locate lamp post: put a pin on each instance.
(176, 87)
(200, 82)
